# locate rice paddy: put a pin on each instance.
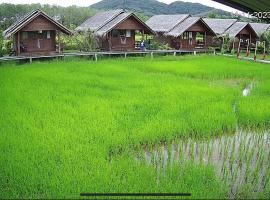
(240, 160)
(73, 126)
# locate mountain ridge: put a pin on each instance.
(154, 7)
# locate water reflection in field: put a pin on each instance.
(239, 159)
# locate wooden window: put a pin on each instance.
(32, 35)
(48, 34)
(44, 35)
(128, 33)
(115, 33)
(24, 35)
(190, 35)
(185, 35)
(122, 33)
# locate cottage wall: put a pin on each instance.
(33, 37)
(131, 24)
(40, 23)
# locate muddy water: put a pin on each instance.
(240, 159)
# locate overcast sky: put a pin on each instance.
(89, 2)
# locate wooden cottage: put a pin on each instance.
(243, 35)
(240, 31)
(181, 31)
(115, 29)
(35, 33)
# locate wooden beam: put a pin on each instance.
(59, 44)
(110, 40)
(18, 44)
(205, 43)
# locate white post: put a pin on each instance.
(174, 53)
(264, 55)
(125, 55)
(222, 46)
(238, 49)
(59, 45)
(30, 59)
(255, 53)
(247, 53)
(194, 53)
(152, 55)
(205, 42)
(96, 57)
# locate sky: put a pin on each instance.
(89, 2)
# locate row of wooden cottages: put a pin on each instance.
(36, 32)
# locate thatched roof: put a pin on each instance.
(165, 23)
(18, 25)
(219, 26)
(185, 25)
(99, 20)
(102, 23)
(236, 28)
(260, 27)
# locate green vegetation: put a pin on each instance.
(72, 126)
(71, 16)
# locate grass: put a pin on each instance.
(61, 121)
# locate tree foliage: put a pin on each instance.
(71, 16)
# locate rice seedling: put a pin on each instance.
(73, 126)
(249, 176)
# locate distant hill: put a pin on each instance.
(153, 7)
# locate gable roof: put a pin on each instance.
(104, 22)
(236, 28)
(19, 24)
(117, 20)
(260, 27)
(185, 25)
(165, 23)
(99, 20)
(219, 26)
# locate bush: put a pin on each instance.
(154, 45)
(265, 37)
(84, 41)
(5, 46)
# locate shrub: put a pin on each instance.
(84, 41)
(5, 46)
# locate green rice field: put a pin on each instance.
(75, 126)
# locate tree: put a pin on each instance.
(86, 41)
(266, 37)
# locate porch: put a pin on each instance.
(42, 42)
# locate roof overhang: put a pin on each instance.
(234, 35)
(128, 16)
(13, 30)
(198, 20)
(248, 6)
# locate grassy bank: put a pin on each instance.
(61, 121)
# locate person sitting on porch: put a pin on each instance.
(142, 46)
